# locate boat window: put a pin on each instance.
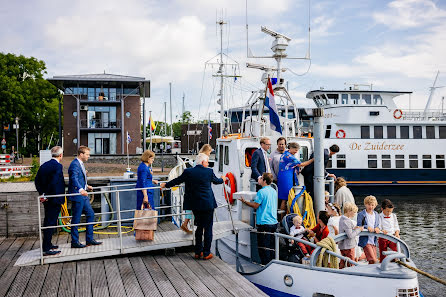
(404, 132)
(427, 161)
(303, 153)
(367, 98)
(440, 161)
(324, 99)
(413, 161)
(378, 132)
(430, 132)
(344, 98)
(399, 161)
(248, 155)
(391, 132)
(365, 132)
(220, 158)
(340, 161)
(417, 132)
(226, 161)
(373, 162)
(377, 99)
(333, 98)
(442, 132)
(355, 98)
(328, 131)
(386, 161)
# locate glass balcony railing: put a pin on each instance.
(100, 124)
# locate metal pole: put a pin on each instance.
(118, 210)
(331, 189)
(170, 98)
(40, 231)
(222, 122)
(150, 129)
(318, 179)
(276, 248)
(17, 136)
(144, 118)
(60, 123)
(128, 158)
(209, 125)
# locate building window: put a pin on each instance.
(404, 132)
(328, 131)
(303, 153)
(340, 161)
(386, 161)
(440, 161)
(344, 98)
(399, 161)
(355, 98)
(365, 132)
(367, 98)
(430, 132)
(90, 92)
(102, 143)
(378, 132)
(417, 132)
(442, 132)
(112, 94)
(373, 162)
(391, 132)
(413, 161)
(377, 99)
(226, 155)
(427, 161)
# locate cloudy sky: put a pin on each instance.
(394, 45)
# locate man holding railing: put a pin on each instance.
(49, 181)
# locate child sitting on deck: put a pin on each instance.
(369, 218)
(298, 231)
(389, 225)
(346, 225)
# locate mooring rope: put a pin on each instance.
(432, 277)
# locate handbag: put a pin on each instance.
(145, 228)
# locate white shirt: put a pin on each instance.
(333, 222)
(370, 219)
(297, 232)
(265, 156)
(389, 224)
(56, 159)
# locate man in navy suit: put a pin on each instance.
(80, 203)
(259, 161)
(199, 198)
(49, 181)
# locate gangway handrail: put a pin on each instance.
(100, 192)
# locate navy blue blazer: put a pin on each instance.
(361, 221)
(77, 180)
(198, 192)
(309, 169)
(258, 166)
(49, 181)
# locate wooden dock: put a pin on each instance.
(143, 274)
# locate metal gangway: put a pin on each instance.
(125, 242)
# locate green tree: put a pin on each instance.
(27, 95)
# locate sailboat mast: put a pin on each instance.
(222, 120)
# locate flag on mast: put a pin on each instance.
(128, 137)
(210, 130)
(271, 104)
(152, 124)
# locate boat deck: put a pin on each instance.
(142, 274)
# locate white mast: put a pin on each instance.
(433, 88)
(220, 73)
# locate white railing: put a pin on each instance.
(16, 171)
(420, 115)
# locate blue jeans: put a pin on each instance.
(77, 209)
(204, 220)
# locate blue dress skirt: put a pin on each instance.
(287, 176)
(144, 180)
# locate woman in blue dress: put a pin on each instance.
(288, 172)
(145, 180)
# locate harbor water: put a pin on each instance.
(422, 222)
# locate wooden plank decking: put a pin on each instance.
(142, 274)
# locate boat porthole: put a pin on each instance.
(288, 280)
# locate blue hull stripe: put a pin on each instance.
(273, 292)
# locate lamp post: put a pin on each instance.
(17, 134)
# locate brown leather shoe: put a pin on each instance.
(185, 229)
(208, 257)
(198, 256)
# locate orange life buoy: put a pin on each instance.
(230, 183)
(340, 133)
(397, 114)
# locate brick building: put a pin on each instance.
(99, 109)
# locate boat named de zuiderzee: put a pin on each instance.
(382, 145)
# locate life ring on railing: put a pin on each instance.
(340, 133)
(397, 114)
(230, 187)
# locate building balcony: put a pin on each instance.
(100, 124)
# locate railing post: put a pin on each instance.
(192, 224)
(237, 263)
(276, 239)
(40, 231)
(331, 189)
(118, 210)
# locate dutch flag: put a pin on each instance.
(271, 104)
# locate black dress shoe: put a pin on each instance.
(51, 253)
(54, 247)
(77, 245)
(94, 242)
